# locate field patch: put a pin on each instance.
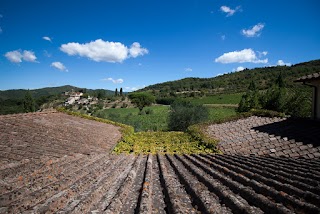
(218, 99)
(154, 118)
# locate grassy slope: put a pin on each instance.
(218, 99)
(156, 121)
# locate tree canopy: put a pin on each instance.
(141, 99)
(29, 103)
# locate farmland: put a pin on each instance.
(154, 118)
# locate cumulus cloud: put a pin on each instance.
(115, 81)
(59, 66)
(255, 31)
(188, 69)
(17, 56)
(29, 56)
(47, 38)
(106, 51)
(245, 55)
(14, 56)
(228, 10)
(282, 63)
(240, 68)
(136, 50)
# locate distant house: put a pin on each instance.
(83, 101)
(70, 101)
(76, 95)
(313, 80)
(73, 97)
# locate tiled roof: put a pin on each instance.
(269, 136)
(49, 170)
(313, 76)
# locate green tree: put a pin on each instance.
(121, 93)
(184, 114)
(250, 100)
(101, 94)
(141, 99)
(275, 98)
(298, 104)
(28, 102)
(116, 92)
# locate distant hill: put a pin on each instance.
(37, 93)
(237, 81)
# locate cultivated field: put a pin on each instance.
(155, 118)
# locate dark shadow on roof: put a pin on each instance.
(301, 130)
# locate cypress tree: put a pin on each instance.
(28, 103)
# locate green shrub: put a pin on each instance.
(149, 111)
(165, 100)
(298, 104)
(141, 99)
(184, 114)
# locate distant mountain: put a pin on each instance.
(237, 81)
(36, 93)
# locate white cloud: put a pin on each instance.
(245, 55)
(136, 50)
(282, 63)
(228, 10)
(263, 53)
(100, 50)
(14, 56)
(117, 81)
(240, 68)
(17, 56)
(188, 69)
(29, 56)
(134, 88)
(47, 38)
(59, 66)
(255, 31)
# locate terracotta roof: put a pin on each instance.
(313, 76)
(47, 169)
(269, 136)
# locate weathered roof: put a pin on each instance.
(269, 136)
(314, 76)
(50, 169)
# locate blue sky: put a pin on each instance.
(132, 44)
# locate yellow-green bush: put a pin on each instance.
(161, 142)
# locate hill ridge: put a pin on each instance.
(238, 81)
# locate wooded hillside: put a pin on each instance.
(238, 81)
